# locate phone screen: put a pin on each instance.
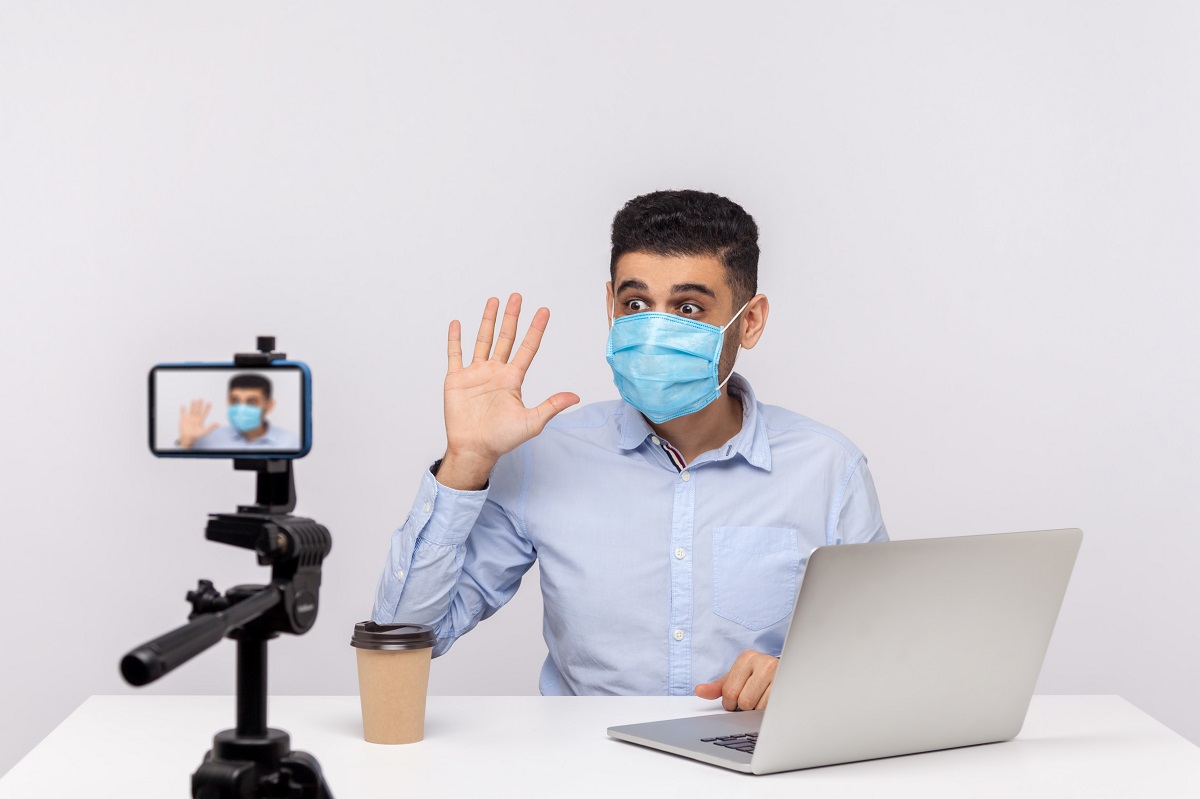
(221, 410)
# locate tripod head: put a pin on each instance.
(294, 547)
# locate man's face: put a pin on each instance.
(253, 397)
(691, 286)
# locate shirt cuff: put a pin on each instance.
(445, 515)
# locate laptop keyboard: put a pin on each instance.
(743, 742)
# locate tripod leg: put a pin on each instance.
(304, 774)
(225, 779)
(243, 767)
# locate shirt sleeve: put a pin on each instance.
(859, 519)
(458, 558)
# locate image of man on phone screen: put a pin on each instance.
(250, 403)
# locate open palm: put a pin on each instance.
(192, 422)
(486, 416)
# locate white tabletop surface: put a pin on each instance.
(147, 746)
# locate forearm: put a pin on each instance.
(426, 555)
(458, 558)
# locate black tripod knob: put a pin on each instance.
(206, 598)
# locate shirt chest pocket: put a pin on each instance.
(755, 574)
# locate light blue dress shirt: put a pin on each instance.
(227, 437)
(654, 578)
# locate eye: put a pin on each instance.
(636, 305)
(689, 309)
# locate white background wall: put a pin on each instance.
(979, 230)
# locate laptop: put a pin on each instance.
(894, 648)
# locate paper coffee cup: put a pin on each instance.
(393, 679)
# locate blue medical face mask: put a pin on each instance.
(245, 418)
(666, 365)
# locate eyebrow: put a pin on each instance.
(678, 288)
(692, 288)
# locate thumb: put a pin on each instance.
(209, 429)
(710, 690)
(553, 407)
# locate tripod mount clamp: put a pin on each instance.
(265, 355)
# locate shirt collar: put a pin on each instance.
(632, 427)
(751, 441)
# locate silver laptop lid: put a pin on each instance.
(909, 646)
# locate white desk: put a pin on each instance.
(148, 746)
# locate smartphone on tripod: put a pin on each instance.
(226, 410)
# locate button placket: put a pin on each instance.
(679, 653)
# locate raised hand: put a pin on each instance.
(485, 415)
(192, 426)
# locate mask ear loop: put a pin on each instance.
(731, 321)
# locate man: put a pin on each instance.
(250, 403)
(672, 526)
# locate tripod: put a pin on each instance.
(251, 761)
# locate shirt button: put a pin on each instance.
(427, 506)
(400, 574)
(679, 554)
(655, 440)
(685, 476)
(679, 635)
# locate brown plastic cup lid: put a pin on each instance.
(369, 635)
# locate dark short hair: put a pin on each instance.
(688, 222)
(251, 381)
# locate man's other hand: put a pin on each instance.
(191, 423)
(485, 415)
(747, 684)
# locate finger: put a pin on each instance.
(538, 417)
(759, 681)
(752, 691)
(209, 429)
(762, 703)
(487, 328)
(454, 347)
(204, 413)
(732, 689)
(508, 329)
(533, 340)
(709, 690)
